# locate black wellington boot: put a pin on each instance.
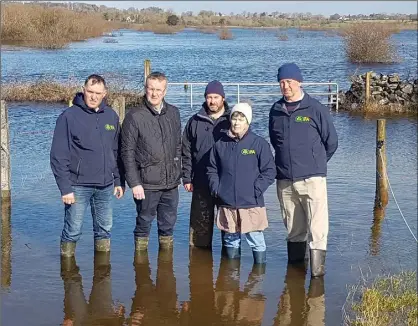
(296, 252)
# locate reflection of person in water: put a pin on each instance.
(154, 304)
(235, 307)
(200, 309)
(295, 308)
(100, 309)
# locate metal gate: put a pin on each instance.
(258, 94)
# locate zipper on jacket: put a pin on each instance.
(235, 174)
(165, 153)
(104, 154)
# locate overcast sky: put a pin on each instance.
(315, 7)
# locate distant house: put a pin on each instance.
(129, 19)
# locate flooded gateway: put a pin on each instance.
(190, 286)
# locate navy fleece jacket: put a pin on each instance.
(85, 145)
(240, 171)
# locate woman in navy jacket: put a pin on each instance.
(240, 170)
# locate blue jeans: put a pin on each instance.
(100, 201)
(255, 240)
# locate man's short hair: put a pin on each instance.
(156, 75)
(95, 79)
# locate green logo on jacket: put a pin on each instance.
(300, 118)
(248, 151)
(109, 127)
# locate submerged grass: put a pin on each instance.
(54, 92)
(373, 108)
(388, 301)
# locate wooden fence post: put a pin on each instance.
(382, 197)
(119, 105)
(6, 244)
(5, 175)
(147, 69)
(367, 86)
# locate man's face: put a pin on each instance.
(155, 91)
(290, 88)
(215, 102)
(94, 94)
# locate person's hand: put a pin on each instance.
(68, 199)
(119, 191)
(188, 187)
(138, 192)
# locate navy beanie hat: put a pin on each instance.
(289, 71)
(215, 87)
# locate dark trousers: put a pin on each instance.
(160, 203)
(202, 216)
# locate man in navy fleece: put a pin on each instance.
(85, 161)
(304, 139)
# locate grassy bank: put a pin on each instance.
(49, 28)
(388, 301)
(50, 91)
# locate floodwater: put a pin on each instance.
(197, 287)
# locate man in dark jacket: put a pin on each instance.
(304, 139)
(201, 132)
(85, 162)
(151, 154)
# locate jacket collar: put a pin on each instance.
(152, 109)
(203, 112)
(305, 103)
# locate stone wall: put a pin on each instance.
(385, 90)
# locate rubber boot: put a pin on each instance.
(317, 262)
(166, 241)
(233, 253)
(141, 244)
(68, 248)
(259, 257)
(296, 252)
(102, 245)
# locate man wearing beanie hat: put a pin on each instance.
(202, 130)
(304, 139)
(241, 168)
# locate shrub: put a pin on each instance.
(225, 34)
(369, 43)
(172, 20)
(282, 36)
(49, 28)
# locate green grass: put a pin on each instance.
(388, 301)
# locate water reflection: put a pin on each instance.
(378, 216)
(6, 244)
(99, 310)
(200, 310)
(235, 307)
(154, 304)
(295, 307)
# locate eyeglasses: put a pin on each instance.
(155, 90)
